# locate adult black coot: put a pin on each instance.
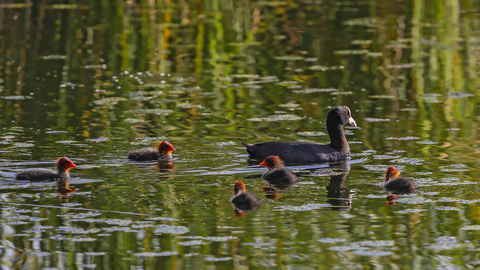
(64, 164)
(162, 152)
(303, 152)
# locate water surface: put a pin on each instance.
(95, 80)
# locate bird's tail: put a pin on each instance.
(248, 146)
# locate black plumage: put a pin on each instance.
(162, 152)
(63, 165)
(303, 152)
(244, 200)
(399, 184)
(276, 173)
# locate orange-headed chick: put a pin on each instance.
(244, 201)
(162, 151)
(276, 172)
(63, 164)
(395, 183)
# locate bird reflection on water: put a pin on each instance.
(165, 166)
(338, 195)
(63, 189)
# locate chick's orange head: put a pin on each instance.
(272, 162)
(392, 172)
(165, 147)
(65, 162)
(239, 187)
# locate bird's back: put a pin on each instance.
(400, 184)
(297, 152)
(38, 175)
(144, 154)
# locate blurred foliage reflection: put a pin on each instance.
(93, 80)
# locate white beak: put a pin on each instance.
(352, 122)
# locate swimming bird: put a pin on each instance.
(276, 172)
(242, 200)
(395, 183)
(63, 164)
(162, 151)
(303, 152)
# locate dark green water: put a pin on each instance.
(95, 79)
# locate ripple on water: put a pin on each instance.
(311, 133)
(380, 168)
(171, 229)
(410, 161)
(331, 240)
(192, 243)
(385, 157)
(471, 228)
(273, 118)
(447, 208)
(363, 248)
(156, 254)
(109, 101)
(218, 259)
(315, 90)
(369, 119)
(427, 142)
(414, 200)
(411, 211)
(305, 207)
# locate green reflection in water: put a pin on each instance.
(94, 80)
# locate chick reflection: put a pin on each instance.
(165, 165)
(391, 199)
(338, 195)
(279, 178)
(63, 189)
(244, 202)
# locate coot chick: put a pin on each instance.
(303, 152)
(276, 173)
(395, 183)
(244, 200)
(63, 164)
(162, 151)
